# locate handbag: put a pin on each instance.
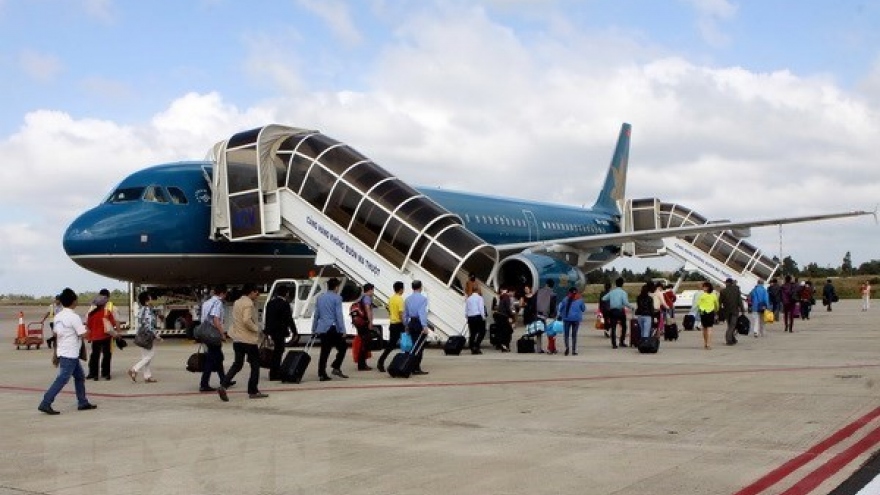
(266, 352)
(109, 329)
(144, 338)
(768, 316)
(196, 361)
(207, 333)
(406, 343)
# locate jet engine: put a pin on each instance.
(534, 270)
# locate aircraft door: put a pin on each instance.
(532, 224)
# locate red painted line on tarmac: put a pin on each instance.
(778, 474)
(401, 383)
(838, 462)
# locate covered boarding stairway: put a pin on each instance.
(284, 182)
(716, 255)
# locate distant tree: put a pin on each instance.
(869, 268)
(846, 268)
(789, 266)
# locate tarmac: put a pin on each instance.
(783, 414)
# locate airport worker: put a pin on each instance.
(70, 331)
(645, 310)
(731, 308)
(102, 329)
(395, 324)
(327, 322)
(54, 309)
(504, 316)
(475, 312)
(788, 299)
(279, 325)
(146, 323)
(245, 333)
(829, 295)
(618, 301)
(415, 314)
(213, 311)
(545, 304)
(866, 296)
(571, 311)
(708, 307)
(760, 302)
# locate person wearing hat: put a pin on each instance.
(759, 300)
(102, 329)
(731, 301)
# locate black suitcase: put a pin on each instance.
(742, 325)
(635, 332)
(454, 345)
(670, 332)
(295, 363)
(404, 363)
(649, 345)
(689, 322)
(376, 341)
(525, 345)
(493, 335)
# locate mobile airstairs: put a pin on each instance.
(716, 255)
(278, 182)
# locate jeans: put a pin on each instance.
(645, 326)
(213, 362)
(571, 335)
(67, 367)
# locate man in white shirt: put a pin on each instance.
(475, 311)
(69, 330)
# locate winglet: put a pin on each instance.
(614, 190)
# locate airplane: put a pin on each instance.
(154, 229)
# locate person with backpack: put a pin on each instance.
(362, 319)
(571, 312)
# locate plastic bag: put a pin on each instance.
(406, 343)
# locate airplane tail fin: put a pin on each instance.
(614, 191)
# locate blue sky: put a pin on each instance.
(739, 109)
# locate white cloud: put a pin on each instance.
(710, 13)
(101, 10)
(41, 67)
(337, 17)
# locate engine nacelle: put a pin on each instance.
(534, 270)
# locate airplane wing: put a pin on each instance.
(594, 242)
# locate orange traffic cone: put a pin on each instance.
(22, 331)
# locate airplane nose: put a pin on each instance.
(87, 235)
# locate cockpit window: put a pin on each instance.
(155, 194)
(177, 196)
(126, 194)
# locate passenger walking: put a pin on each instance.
(54, 309)
(245, 334)
(708, 306)
(759, 300)
(808, 299)
(147, 326)
(866, 296)
(102, 329)
(789, 298)
(618, 302)
(545, 304)
(475, 312)
(365, 327)
(279, 326)
(395, 324)
(571, 312)
(504, 316)
(695, 308)
(214, 312)
(329, 324)
(774, 292)
(70, 331)
(415, 314)
(645, 310)
(605, 309)
(731, 308)
(660, 306)
(829, 295)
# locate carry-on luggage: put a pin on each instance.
(295, 363)
(670, 332)
(742, 325)
(689, 322)
(454, 345)
(635, 332)
(404, 363)
(493, 335)
(525, 345)
(649, 345)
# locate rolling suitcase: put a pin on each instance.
(635, 332)
(525, 345)
(493, 335)
(649, 345)
(295, 363)
(454, 345)
(742, 325)
(404, 363)
(689, 322)
(670, 332)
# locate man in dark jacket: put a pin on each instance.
(279, 325)
(829, 295)
(732, 307)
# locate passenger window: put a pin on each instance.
(177, 196)
(155, 194)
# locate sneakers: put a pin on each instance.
(48, 410)
(258, 395)
(338, 372)
(86, 407)
(223, 395)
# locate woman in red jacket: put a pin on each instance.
(102, 326)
